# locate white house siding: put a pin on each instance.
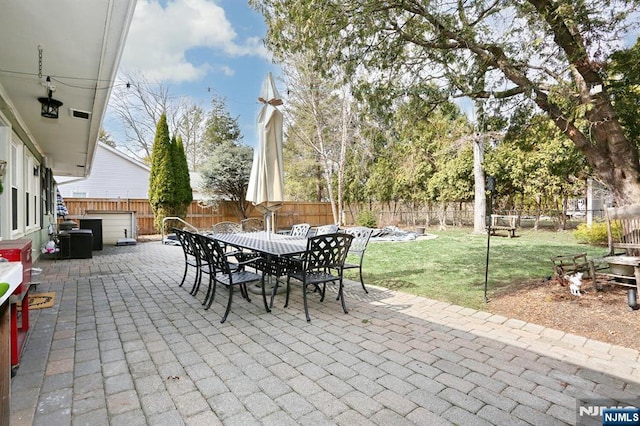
(196, 182)
(21, 199)
(114, 224)
(113, 175)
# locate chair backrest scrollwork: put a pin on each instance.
(215, 254)
(361, 236)
(300, 230)
(186, 241)
(226, 228)
(327, 229)
(327, 251)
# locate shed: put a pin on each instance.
(116, 224)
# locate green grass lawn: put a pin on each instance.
(451, 267)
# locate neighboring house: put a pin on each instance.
(195, 179)
(113, 175)
(116, 175)
(592, 206)
(59, 61)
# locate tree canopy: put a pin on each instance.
(537, 169)
(141, 102)
(623, 78)
(549, 53)
(320, 116)
(225, 176)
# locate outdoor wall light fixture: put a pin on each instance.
(36, 170)
(50, 106)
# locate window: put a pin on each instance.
(32, 184)
(28, 192)
(15, 169)
(25, 190)
(47, 197)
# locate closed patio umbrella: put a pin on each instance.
(266, 182)
(61, 207)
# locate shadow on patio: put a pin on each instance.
(123, 344)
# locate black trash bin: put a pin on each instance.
(64, 243)
(95, 225)
(67, 225)
(76, 244)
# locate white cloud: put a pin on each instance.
(159, 39)
(228, 71)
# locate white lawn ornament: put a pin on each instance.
(576, 282)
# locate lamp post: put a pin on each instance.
(491, 187)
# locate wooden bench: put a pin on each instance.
(621, 264)
(504, 223)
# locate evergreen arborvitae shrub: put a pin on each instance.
(184, 193)
(162, 180)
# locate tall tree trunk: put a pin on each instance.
(442, 215)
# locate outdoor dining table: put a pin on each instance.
(271, 247)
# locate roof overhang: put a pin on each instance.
(78, 44)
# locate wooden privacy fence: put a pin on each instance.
(199, 216)
(313, 213)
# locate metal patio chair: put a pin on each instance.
(225, 272)
(327, 229)
(191, 258)
(324, 254)
(300, 230)
(361, 236)
(204, 265)
(226, 228)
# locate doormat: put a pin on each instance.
(41, 300)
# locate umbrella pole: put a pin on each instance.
(267, 216)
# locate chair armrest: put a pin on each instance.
(234, 253)
(245, 258)
(290, 264)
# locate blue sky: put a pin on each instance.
(201, 47)
(197, 48)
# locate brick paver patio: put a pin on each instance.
(124, 345)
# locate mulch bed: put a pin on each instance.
(601, 315)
